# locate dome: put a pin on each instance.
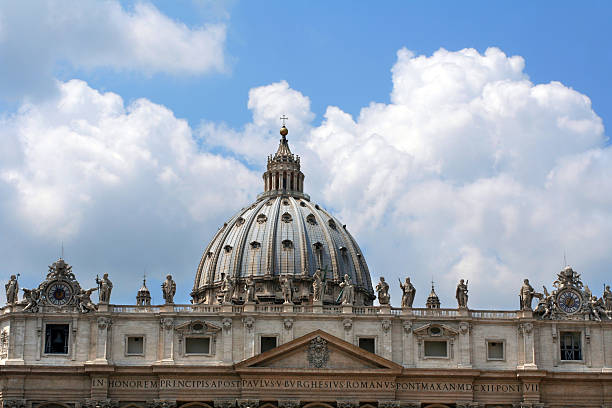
(281, 235)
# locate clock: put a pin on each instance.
(59, 293)
(569, 301)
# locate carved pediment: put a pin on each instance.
(197, 327)
(436, 330)
(318, 350)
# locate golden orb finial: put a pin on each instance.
(284, 131)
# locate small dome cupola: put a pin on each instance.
(433, 302)
(143, 297)
(283, 173)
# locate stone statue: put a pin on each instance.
(12, 290)
(105, 286)
(32, 297)
(84, 302)
(249, 288)
(168, 289)
(227, 289)
(526, 295)
(596, 307)
(287, 289)
(408, 292)
(587, 291)
(317, 285)
(462, 294)
(347, 292)
(607, 297)
(547, 304)
(382, 290)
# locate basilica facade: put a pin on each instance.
(283, 316)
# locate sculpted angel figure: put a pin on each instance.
(32, 297)
(408, 292)
(168, 289)
(12, 290)
(84, 300)
(462, 294)
(596, 307)
(382, 290)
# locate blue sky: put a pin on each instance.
(456, 139)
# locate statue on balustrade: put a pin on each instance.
(317, 285)
(31, 298)
(382, 290)
(227, 289)
(607, 297)
(249, 288)
(168, 290)
(462, 294)
(106, 287)
(526, 295)
(408, 292)
(596, 308)
(12, 290)
(287, 289)
(347, 291)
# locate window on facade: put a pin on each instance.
(368, 344)
(495, 350)
(135, 345)
(197, 345)
(267, 343)
(570, 346)
(436, 348)
(56, 338)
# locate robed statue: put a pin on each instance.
(382, 290)
(462, 294)
(408, 292)
(526, 295)
(317, 285)
(105, 286)
(168, 289)
(12, 290)
(347, 291)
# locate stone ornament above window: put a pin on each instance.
(311, 219)
(318, 353)
(261, 218)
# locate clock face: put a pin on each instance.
(59, 293)
(569, 301)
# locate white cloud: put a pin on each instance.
(34, 39)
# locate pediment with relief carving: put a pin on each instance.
(318, 350)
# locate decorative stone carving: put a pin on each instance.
(168, 290)
(382, 290)
(249, 322)
(84, 303)
(248, 403)
(347, 404)
(388, 404)
(161, 404)
(224, 403)
(288, 323)
(4, 343)
(105, 286)
(227, 323)
(525, 328)
(462, 294)
(386, 325)
(407, 326)
(318, 353)
(12, 290)
(347, 324)
(104, 322)
(167, 323)
(288, 403)
(100, 403)
(32, 299)
(464, 327)
(408, 292)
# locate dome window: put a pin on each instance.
(331, 224)
(255, 245)
(269, 202)
(209, 254)
(287, 244)
(228, 248)
(261, 218)
(285, 202)
(317, 206)
(286, 217)
(343, 250)
(311, 219)
(239, 221)
(302, 203)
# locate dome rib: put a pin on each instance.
(245, 236)
(302, 236)
(272, 236)
(330, 243)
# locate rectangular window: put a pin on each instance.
(436, 348)
(197, 345)
(135, 345)
(368, 344)
(495, 350)
(56, 338)
(267, 343)
(570, 346)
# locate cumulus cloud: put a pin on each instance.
(36, 37)
(116, 183)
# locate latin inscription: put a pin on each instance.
(320, 385)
